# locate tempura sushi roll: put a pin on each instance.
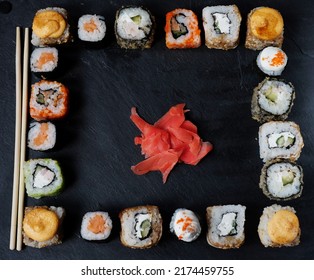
(141, 227)
(272, 61)
(182, 29)
(185, 225)
(222, 26)
(48, 100)
(91, 28)
(279, 226)
(43, 177)
(41, 136)
(281, 180)
(280, 140)
(134, 27)
(272, 100)
(225, 226)
(265, 27)
(44, 60)
(96, 226)
(42, 226)
(50, 27)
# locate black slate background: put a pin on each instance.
(95, 142)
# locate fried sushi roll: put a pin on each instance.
(48, 101)
(182, 29)
(42, 226)
(41, 136)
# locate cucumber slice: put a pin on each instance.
(290, 141)
(271, 95)
(137, 19)
(145, 228)
(287, 178)
(280, 141)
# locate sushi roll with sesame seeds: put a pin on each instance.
(41, 136)
(91, 28)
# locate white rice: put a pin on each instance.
(92, 36)
(49, 65)
(35, 131)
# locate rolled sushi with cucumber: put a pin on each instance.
(272, 100)
(43, 177)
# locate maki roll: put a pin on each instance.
(50, 27)
(185, 225)
(96, 226)
(272, 61)
(279, 226)
(272, 100)
(48, 101)
(44, 60)
(41, 136)
(222, 26)
(42, 226)
(225, 226)
(43, 177)
(141, 227)
(280, 140)
(281, 180)
(91, 28)
(182, 29)
(134, 27)
(265, 27)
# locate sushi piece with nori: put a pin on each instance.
(43, 177)
(44, 60)
(134, 27)
(91, 28)
(41, 136)
(96, 226)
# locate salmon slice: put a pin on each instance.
(173, 118)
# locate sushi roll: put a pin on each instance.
(42, 226)
(185, 225)
(96, 226)
(272, 61)
(280, 140)
(182, 29)
(265, 27)
(141, 227)
(134, 27)
(91, 28)
(43, 177)
(272, 100)
(50, 27)
(281, 180)
(44, 60)
(279, 226)
(225, 226)
(41, 136)
(48, 100)
(222, 26)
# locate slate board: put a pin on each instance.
(95, 142)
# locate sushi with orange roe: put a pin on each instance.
(182, 29)
(41, 136)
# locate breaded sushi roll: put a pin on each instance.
(280, 140)
(221, 26)
(281, 180)
(48, 100)
(185, 225)
(50, 27)
(265, 27)
(42, 226)
(43, 177)
(96, 226)
(182, 29)
(134, 27)
(272, 100)
(279, 226)
(225, 226)
(141, 227)
(44, 60)
(91, 28)
(272, 61)
(41, 136)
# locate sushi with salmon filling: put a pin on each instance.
(42, 226)
(141, 227)
(44, 60)
(48, 100)
(182, 29)
(43, 177)
(225, 226)
(96, 226)
(272, 100)
(185, 225)
(50, 27)
(281, 180)
(41, 136)
(134, 27)
(91, 28)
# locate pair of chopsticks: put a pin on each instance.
(20, 139)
